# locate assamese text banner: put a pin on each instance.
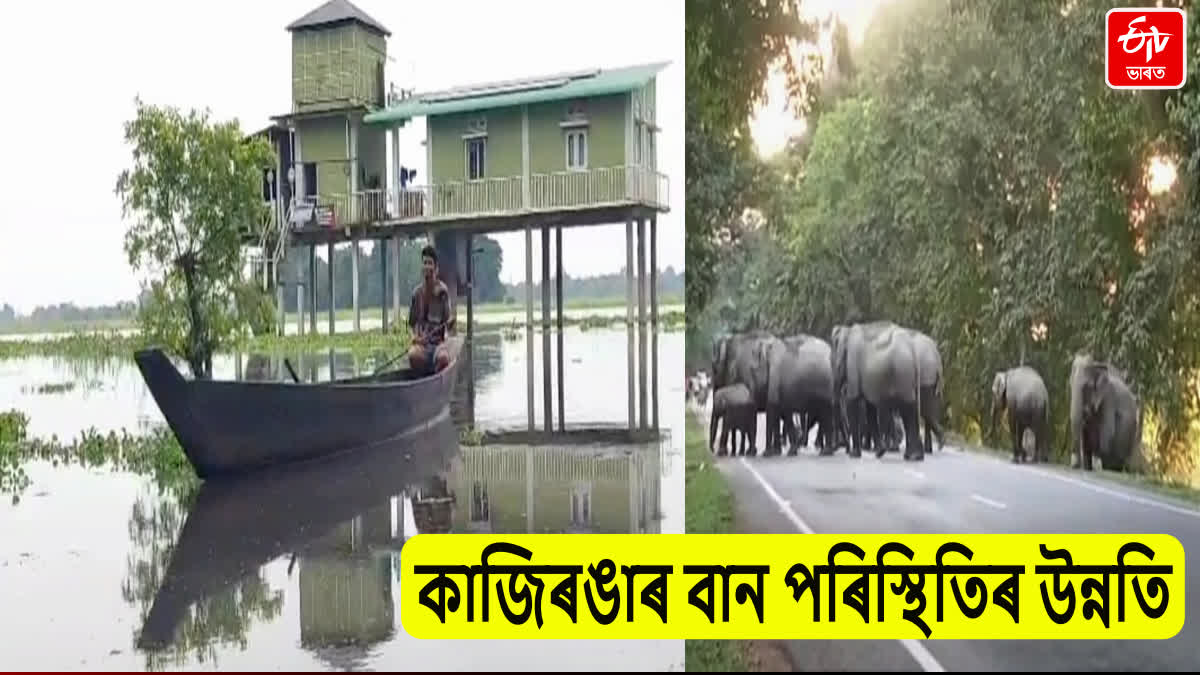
(793, 586)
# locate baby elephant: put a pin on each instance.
(1023, 394)
(734, 405)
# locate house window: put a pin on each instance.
(577, 149)
(650, 147)
(476, 151)
(310, 179)
(581, 506)
(480, 508)
(637, 143)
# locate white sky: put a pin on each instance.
(772, 125)
(73, 69)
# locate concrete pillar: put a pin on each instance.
(383, 300)
(396, 306)
(633, 491)
(470, 287)
(332, 304)
(529, 320)
(641, 299)
(300, 308)
(279, 307)
(654, 322)
(312, 289)
(470, 346)
(352, 155)
(354, 284)
(237, 365)
(558, 275)
(629, 316)
(529, 490)
(396, 172)
(547, 388)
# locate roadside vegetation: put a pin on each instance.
(940, 185)
(709, 511)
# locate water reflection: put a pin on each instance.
(339, 525)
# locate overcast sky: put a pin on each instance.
(73, 69)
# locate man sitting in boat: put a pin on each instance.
(430, 314)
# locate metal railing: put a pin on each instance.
(608, 186)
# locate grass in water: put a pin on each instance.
(104, 345)
(708, 510)
(49, 388)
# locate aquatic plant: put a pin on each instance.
(49, 388)
(13, 425)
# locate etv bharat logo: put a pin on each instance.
(1145, 48)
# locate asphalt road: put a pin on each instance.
(959, 492)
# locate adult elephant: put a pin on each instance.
(930, 359)
(801, 384)
(877, 364)
(1105, 415)
(745, 358)
(1021, 392)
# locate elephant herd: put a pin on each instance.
(874, 383)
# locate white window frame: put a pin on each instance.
(482, 140)
(480, 512)
(582, 134)
(581, 495)
(638, 151)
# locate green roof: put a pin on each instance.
(595, 82)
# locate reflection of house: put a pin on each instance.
(346, 590)
(541, 489)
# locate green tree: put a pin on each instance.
(948, 188)
(193, 194)
(730, 49)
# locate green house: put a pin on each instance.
(557, 142)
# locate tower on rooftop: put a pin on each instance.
(338, 56)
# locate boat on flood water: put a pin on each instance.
(237, 525)
(228, 428)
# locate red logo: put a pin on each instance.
(1145, 48)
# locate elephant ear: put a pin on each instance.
(999, 386)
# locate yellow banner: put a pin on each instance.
(793, 586)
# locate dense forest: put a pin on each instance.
(967, 172)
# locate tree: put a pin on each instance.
(730, 49)
(950, 189)
(193, 192)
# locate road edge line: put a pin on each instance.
(915, 649)
(1088, 485)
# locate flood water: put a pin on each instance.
(301, 570)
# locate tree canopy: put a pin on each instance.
(192, 194)
(976, 179)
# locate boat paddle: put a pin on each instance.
(389, 362)
(291, 371)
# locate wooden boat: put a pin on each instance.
(237, 525)
(232, 427)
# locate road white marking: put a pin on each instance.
(783, 505)
(922, 656)
(989, 502)
(1086, 484)
(915, 474)
(1116, 493)
(914, 647)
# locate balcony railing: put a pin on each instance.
(564, 190)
